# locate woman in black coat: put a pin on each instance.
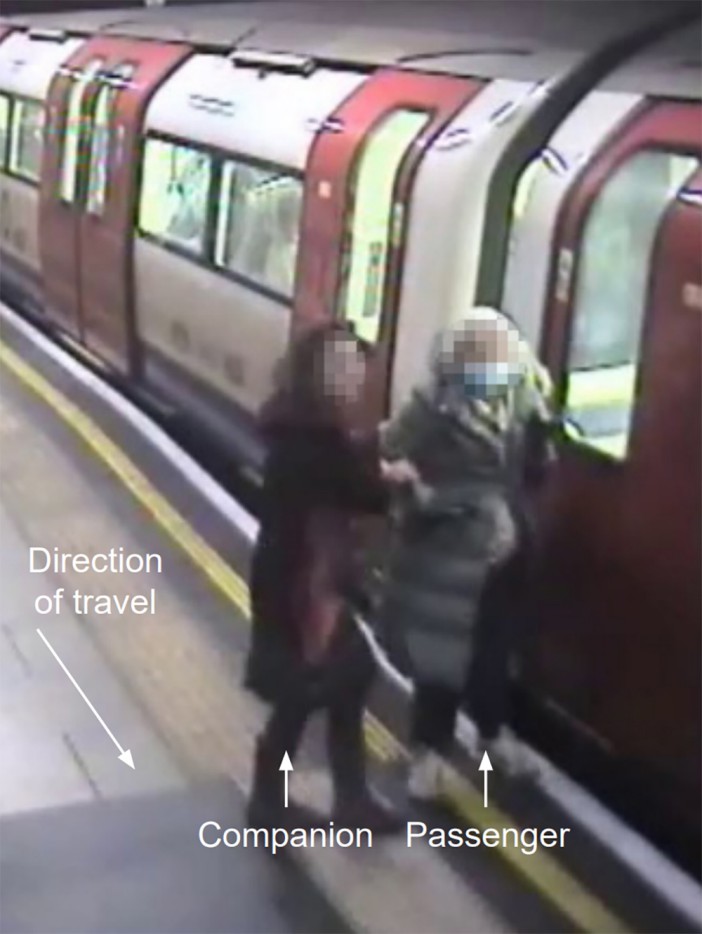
(307, 651)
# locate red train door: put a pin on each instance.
(96, 106)
(622, 557)
(670, 450)
(358, 184)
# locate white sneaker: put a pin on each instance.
(511, 757)
(426, 776)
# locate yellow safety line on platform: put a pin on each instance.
(542, 871)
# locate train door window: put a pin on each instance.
(175, 194)
(258, 225)
(610, 296)
(522, 199)
(101, 135)
(26, 138)
(4, 127)
(374, 221)
(70, 163)
(525, 189)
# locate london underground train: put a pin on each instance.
(181, 190)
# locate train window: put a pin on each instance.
(258, 225)
(26, 138)
(175, 193)
(4, 127)
(70, 164)
(610, 296)
(523, 194)
(525, 189)
(375, 222)
(101, 136)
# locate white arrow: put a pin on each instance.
(124, 754)
(485, 767)
(287, 767)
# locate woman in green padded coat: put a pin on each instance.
(463, 433)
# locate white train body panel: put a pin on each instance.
(532, 235)
(446, 222)
(229, 331)
(27, 67)
(272, 119)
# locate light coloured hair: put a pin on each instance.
(484, 335)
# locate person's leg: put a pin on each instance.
(434, 712)
(489, 680)
(499, 628)
(354, 804)
(282, 734)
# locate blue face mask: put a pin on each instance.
(487, 381)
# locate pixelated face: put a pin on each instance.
(488, 343)
(483, 359)
(344, 371)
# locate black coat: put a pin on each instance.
(317, 480)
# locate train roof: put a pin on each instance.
(669, 68)
(518, 39)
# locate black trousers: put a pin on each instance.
(340, 687)
(434, 712)
(500, 628)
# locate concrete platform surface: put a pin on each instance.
(136, 865)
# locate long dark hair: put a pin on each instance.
(299, 396)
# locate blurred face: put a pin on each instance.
(483, 361)
(344, 371)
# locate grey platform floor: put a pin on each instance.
(88, 844)
(135, 864)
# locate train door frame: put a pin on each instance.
(592, 501)
(61, 164)
(330, 198)
(87, 255)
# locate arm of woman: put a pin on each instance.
(340, 473)
(445, 500)
(397, 436)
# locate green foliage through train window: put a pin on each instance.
(4, 127)
(174, 194)
(609, 305)
(258, 225)
(26, 139)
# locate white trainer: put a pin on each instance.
(426, 776)
(510, 756)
